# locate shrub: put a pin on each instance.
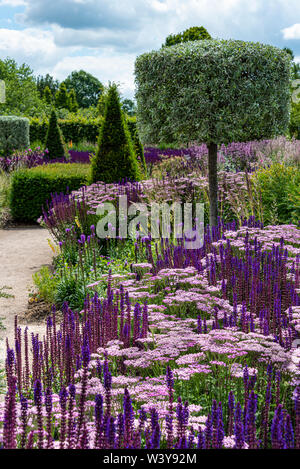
(14, 134)
(75, 129)
(45, 282)
(115, 158)
(32, 188)
(212, 92)
(279, 187)
(54, 139)
(294, 128)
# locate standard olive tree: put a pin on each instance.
(212, 91)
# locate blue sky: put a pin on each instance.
(104, 37)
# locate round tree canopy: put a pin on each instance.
(212, 91)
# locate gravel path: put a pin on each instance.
(23, 251)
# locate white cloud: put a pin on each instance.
(292, 32)
(12, 3)
(106, 67)
(33, 46)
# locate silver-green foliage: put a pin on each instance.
(14, 134)
(212, 91)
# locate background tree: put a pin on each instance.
(62, 97)
(87, 88)
(212, 92)
(128, 106)
(46, 81)
(115, 157)
(54, 139)
(294, 127)
(195, 33)
(22, 96)
(295, 66)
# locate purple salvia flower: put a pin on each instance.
(37, 393)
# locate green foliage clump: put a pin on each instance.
(294, 128)
(46, 282)
(195, 33)
(212, 91)
(54, 139)
(115, 158)
(279, 188)
(14, 134)
(32, 188)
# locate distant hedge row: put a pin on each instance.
(75, 129)
(32, 188)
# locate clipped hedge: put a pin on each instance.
(32, 188)
(14, 134)
(73, 129)
(212, 91)
(77, 130)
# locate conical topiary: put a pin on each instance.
(54, 139)
(139, 151)
(61, 97)
(72, 101)
(115, 157)
(47, 95)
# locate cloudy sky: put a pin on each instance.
(104, 37)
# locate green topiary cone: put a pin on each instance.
(54, 139)
(115, 158)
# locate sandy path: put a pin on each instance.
(23, 251)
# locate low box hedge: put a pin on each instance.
(32, 188)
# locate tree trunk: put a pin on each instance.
(213, 183)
